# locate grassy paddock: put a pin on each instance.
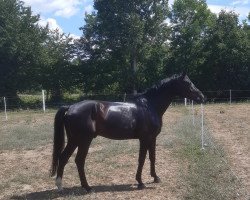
(26, 130)
(207, 176)
(187, 171)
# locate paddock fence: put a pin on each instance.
(38, 102)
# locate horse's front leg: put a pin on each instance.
(152, 161)
(141, 161)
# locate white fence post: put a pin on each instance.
(230, 91)
(202, 127)
(193, 111)
(43, 100)
(124, 97)
(5, 108)
(185, 101)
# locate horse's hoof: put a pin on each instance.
(89, 190)
(59, 184)
(157, 180)
(141, 186)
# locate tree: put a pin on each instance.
(191, 20)
(246, 28)
(58, 71)
(20, 45)
(119, 34)
(227, 62)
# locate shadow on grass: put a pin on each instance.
(74, 191)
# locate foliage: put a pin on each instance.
(32, 57)
(121, 38)
(57, 72)
(20, 43)
(126, 46)
(227, 49)
(213, 49)
(191, 21)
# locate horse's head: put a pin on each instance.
(188, 90)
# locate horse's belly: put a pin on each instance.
(118, 128)
(118, 135)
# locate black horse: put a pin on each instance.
(141, 119)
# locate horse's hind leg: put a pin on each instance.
(64, 157)
(80, 161)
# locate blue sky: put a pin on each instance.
(68, 15)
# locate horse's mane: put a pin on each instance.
(156, 87)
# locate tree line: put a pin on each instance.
(125, 46)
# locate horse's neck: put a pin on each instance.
(161, 107)
(161, 101)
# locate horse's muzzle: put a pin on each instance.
(201, 99)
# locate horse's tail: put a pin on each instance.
(59, 138)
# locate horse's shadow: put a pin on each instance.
(74, 191)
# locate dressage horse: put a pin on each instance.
(141, 119)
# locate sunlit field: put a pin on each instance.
(220, 171)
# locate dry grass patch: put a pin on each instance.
(110, 165)
(206, 175)
(186, 172)
(229, 125)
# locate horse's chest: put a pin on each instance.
(150, 122)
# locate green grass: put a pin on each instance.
(207, 176)
(26, 131)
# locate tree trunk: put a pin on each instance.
(56, 95)
(134, 71)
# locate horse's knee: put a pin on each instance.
(78, 160)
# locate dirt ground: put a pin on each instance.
(111, 172)
(111, 165)
(230, 127)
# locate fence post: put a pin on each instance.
(124, 97)
(230, 92)
(43, 101)
(185, 101)
(202, 128)
(5, 108)
(193, 111)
